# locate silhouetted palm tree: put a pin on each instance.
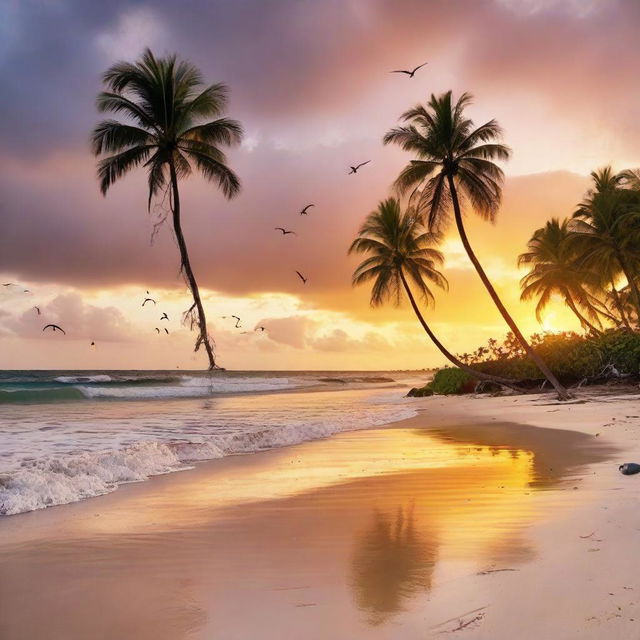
(168, 130)
(606, 227)
(455, 156)
(554, 271)
(401, 251)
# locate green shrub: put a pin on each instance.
(420, 392)
(450, 381)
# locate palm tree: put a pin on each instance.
(168, 130)
(554, 271)
(455, 156)
(400, 250)
(606, 227)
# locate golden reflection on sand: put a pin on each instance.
(190, 499)
(329, 538)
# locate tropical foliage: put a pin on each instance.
(456, 160)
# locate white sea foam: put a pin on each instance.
(79, 455)
(83, 379)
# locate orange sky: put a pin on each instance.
(310, 83)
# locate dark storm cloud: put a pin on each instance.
(292, 57)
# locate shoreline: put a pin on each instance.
(571, 603)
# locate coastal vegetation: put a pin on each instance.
(173, 124)
(590, 260)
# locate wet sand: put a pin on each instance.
(465, 517)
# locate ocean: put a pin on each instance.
(70, 435)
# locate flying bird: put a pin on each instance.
(158, 330)
(55, 328)
(259, 329)
(410, 73)
(355, 169)
(26, 291)
(37, 309)
(237, 321)
(166, 331)
(304, 280)
(148, 300)
(164, 317)
(284, 231)
(93, 344)
(305, 209)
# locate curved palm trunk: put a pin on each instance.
(635, 294)
(185, 266)
(445, 352)
(540, 363)
(583, 321)
(619, 304)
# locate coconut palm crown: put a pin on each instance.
(554, 271)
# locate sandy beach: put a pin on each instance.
(484, 517)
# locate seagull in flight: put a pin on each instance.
(412, 72)
(166, 330)
(304, 280)
(305, 209)
(148, 300)
(37, 309)
(158, 330)
(93, 344)
(259, 329)
(237, 321)
(355, 169)
(164, 317)
(55, 328)
(284, 231)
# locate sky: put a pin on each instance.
(310, 82)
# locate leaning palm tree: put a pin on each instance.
(606, 227)
(168, 130)
(402, 253)
(554, 271)
(455, 158)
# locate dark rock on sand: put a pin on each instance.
(629, 468)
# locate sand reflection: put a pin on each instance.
(392, 562)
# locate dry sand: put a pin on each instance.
(481, 518)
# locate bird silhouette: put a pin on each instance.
(26, 291)
(284, 231)
(410, 73)
(237, 321)
(148, 300)
(305, 209)
(164, 317)
(355, 169)
(9, 284)
(166, 330)
(37, 309)
(304, 280)
(259, 329)
(158, 330)
(55, 328)
(93, 344)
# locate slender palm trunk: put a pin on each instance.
(619, 304)
(185, 265)
(540, 363)
(635, 294)
(445, 352)
(583, 321)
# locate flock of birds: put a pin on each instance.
(353, 169)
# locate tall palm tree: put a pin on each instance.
(401, 253)
(173, 123)
(554, 271)
(606, 226)
(454, 157)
